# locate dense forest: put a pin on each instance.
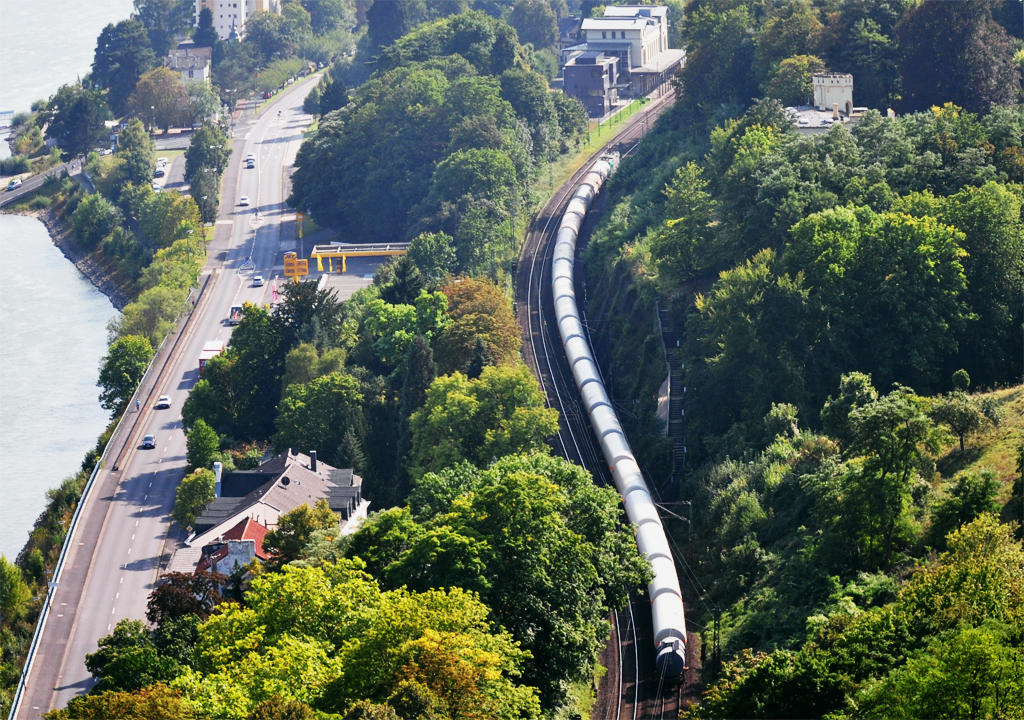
(849, 308)
(448, 134)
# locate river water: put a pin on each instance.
(52, 320)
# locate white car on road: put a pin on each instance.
(244, 201)
(163, 403)
(14, 184)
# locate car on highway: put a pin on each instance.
(250, 156)
(257, 281)
(163, 402)
(250, 164)
(14, 184)
(149, 442)
(244, 201)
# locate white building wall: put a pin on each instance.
(831, 89)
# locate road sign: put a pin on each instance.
(256, 221)
(294, 267)
(300, 216)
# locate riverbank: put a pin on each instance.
(90, 265)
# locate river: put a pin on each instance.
(52, 320)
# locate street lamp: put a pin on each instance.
(152, 117)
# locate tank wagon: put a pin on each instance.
(664, 592)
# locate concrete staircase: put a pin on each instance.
(676, 419)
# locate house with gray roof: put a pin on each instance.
(278, 486)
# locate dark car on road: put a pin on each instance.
(148, 442)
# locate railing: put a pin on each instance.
(114, 436)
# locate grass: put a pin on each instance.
(996, 447)
(273, 97)
(169, 154)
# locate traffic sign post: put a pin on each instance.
(294, 267)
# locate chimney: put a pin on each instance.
(835, 111)
(217, 471)
(312, 460)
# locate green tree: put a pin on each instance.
(161, 100)
(195, 492)
(433, 254)
(14, 592)
(277, 708)
(955, 52)
(961, 380)
(127, 660)
(333, 93)
(481, 174)
(137, 153)
(206, 34)
(535, 23)
(970, 495)
(94, 219)
(792, 30)
(155, 701)
(966, 673)
(513, 520)
(294, 530)
(123, 55)
(202, 446)
(386, 22)
(74, 119)
(121, 372)
(330, 15)
(960, 412)
(317, 415)
(269, 35)
(205, 190)
(499, 414)
(176, 638)
(894, 436)
(152, 316)
(203, 102)
(855, 390)
(165, 20)
(792, 82)
(687, 234)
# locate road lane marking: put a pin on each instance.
(136, 523)
(133, 536)
(129, 551)
(122, 580)
(117, 596)
(111, 611)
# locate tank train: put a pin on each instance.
(666, 598)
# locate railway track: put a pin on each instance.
(639, 691)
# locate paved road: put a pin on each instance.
(124, 535)
(33, 183)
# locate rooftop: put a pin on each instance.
(661, 62)
(658, 11)
(284, 482)
(619, 23)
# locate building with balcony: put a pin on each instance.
(229, 16)
(592, 78)
(638, 36)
